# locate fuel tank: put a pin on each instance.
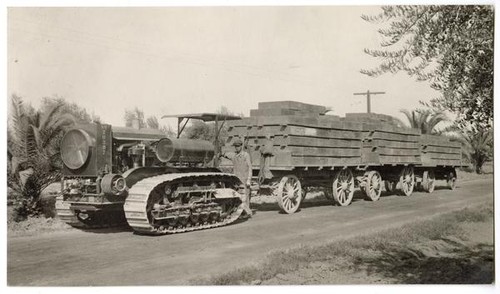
(184, 150)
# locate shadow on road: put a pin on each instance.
(273, 206)
(117, 229)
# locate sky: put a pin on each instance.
(173, 60)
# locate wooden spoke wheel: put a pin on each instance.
(451, 180)
(390, 186)
(373, 187)
(343, 187)
(289, 194)
(407, 180)
(428, 181)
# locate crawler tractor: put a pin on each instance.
(158, 185)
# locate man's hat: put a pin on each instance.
(237, 142)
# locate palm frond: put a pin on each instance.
(37, 137)
(435, 120)
(63, 121)
(409, 116)
(49, 116)
(17, 120)
(424, 119)
(422, 116)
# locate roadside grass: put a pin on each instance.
(35, 226)
(429, 251)
(468, 173)
(46, 223)
(465, 176)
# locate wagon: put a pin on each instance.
(295, 147)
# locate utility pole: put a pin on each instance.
(368, 102)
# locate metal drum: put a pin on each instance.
(184, 150)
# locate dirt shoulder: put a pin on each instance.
(454, 248)
(34, 226)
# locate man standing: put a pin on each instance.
(242, 168)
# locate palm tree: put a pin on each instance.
(478, 146)
(33, 144)
(425, 120)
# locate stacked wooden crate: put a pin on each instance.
(372, 117)
(440, 151)
(287, 108)
(302, 135)
(297, 135)
(384, 142)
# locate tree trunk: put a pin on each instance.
(24, 175)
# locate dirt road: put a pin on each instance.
(119, 257)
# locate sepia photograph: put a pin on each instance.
(251, 146)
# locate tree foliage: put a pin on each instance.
(425, 120)
(79, 114)
(134, 115)
(449, 46)
(206, 131)
(33, 151)
(151, 122)
(200, 130)
(478, 146)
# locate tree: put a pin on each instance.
(200, 130)
(134, 115)
(425, 120)
(206, 131)
(79, 114)
(449, 46)
(153, 123)
(478, 146)
(33, 144)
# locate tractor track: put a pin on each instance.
(135, 206)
